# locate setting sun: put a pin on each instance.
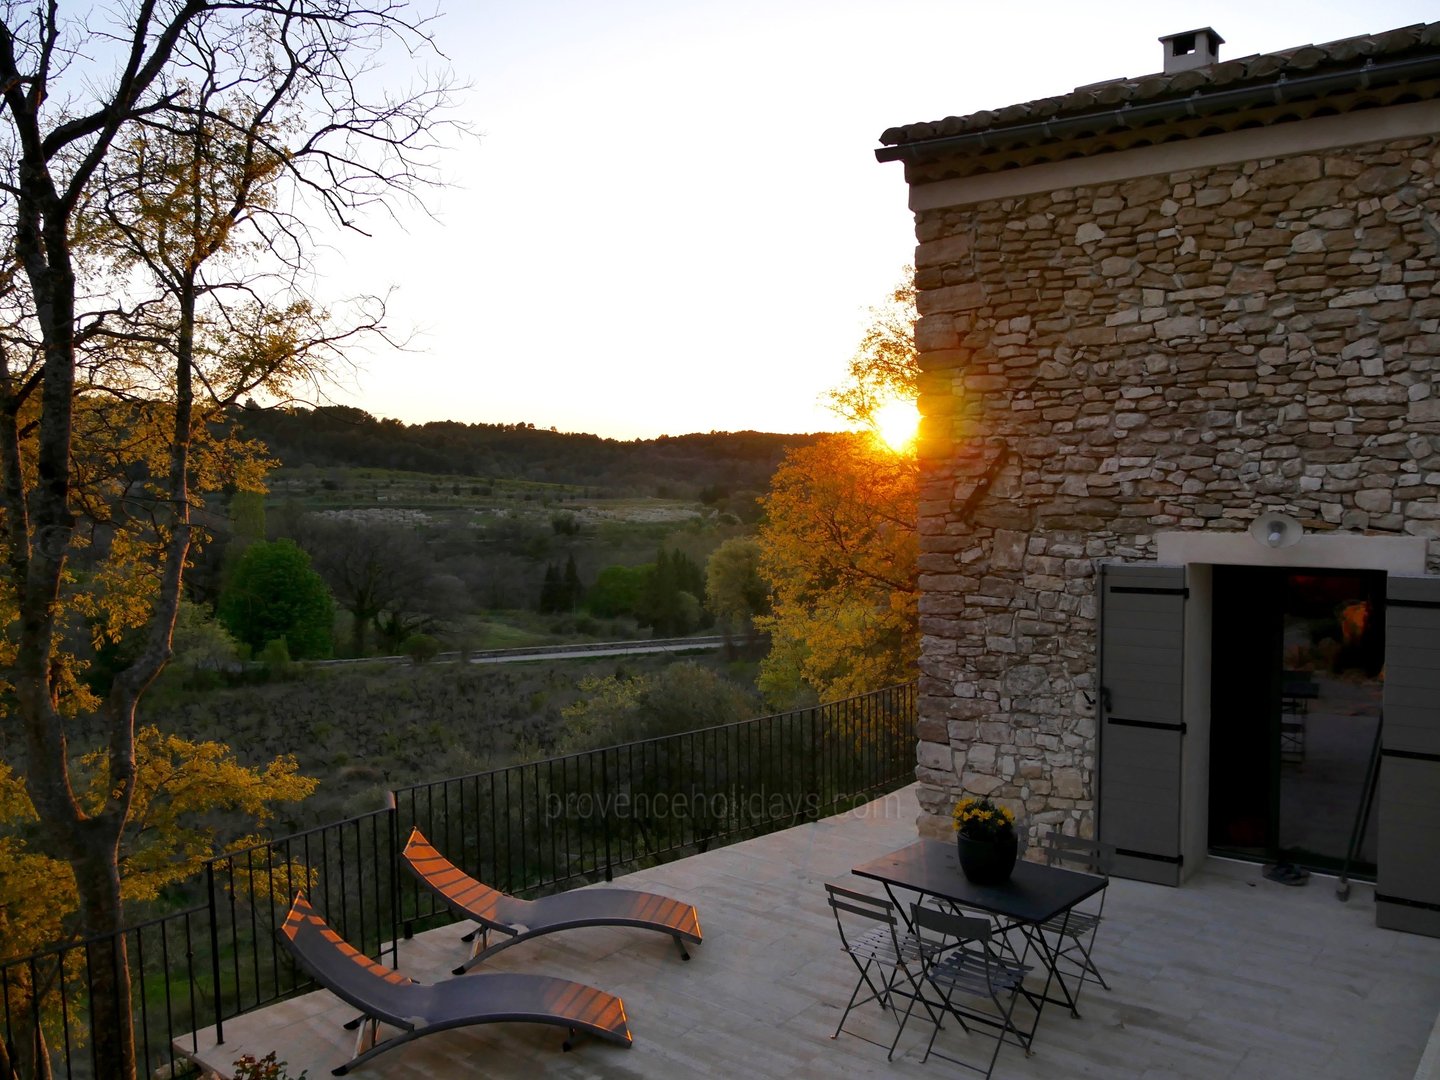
(896, 422)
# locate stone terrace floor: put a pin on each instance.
(1228, 976)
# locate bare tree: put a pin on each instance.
(159, 163)
(380, 574)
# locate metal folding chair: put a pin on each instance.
(885, 954)
(958, 960)
(1075, 930)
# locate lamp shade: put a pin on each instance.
(1276, 530)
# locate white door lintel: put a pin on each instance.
(1327, 551)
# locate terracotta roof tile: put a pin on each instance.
(1300, 61)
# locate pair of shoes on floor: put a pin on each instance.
(1286, 873)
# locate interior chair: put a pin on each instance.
(1293, 714)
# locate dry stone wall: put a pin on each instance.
(1171, 352)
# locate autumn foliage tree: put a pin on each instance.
(884, 367)
(179, 782)
(838, 543)
(838, 546)
(159, 163)
(181, 785)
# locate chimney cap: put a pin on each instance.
(1191, 49)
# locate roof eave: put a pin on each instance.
(1197, 104)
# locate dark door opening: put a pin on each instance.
(1296, 680)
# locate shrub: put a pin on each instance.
(276, 658)
(681, 697)
(421, 648)
(266, 1068)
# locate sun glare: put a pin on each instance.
(897, 422)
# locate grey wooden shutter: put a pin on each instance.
(1407, 887)
(1142, 654)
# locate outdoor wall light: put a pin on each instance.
(1276, 530)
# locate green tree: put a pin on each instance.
(247, 518)
(618, 590)
(561, 590)
(735, 592)
(550, 598)
(274, 593)
(275, 659)
(689, 575)
(573, 589)
(669, 601)
(203, 648)
(421, 648)
(660, 601)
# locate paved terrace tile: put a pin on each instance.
(1228, 976)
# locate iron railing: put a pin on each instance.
(527, 829)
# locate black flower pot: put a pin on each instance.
(987, 862)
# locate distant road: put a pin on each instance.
(603, 648)
(551, 652)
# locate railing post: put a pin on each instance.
(214, 913)
(819, 763)
(605, 807)
(392, 817)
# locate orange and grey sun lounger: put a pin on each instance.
(385, 996)
(520, 920)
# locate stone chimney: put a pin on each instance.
(1192, 49)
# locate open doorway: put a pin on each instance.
(1296, 679)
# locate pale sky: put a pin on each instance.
(673, 221)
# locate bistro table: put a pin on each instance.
(1033, 896)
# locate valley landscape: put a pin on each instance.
(464, 556)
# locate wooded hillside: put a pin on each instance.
(672, 465)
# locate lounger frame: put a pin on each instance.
(415, 1009)
(514, 920)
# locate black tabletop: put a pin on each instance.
(1033, 894)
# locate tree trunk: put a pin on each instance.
(32, 1055)
(88, 843)
(107, 959)
(357, 633)
(725, 633)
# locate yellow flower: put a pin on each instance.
(982, 819)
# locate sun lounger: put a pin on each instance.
(520, 920)
(383, 995)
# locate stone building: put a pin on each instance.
(1180, 349)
